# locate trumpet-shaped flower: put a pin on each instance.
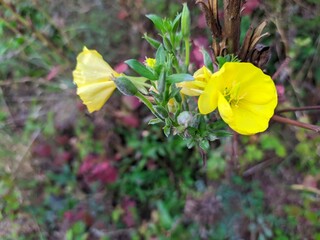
(244, 95)
(196, 87)
(94, 79)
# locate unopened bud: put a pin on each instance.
(185, 21)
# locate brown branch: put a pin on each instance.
(296, 109)
(296, 123)
(232, 20)
(283, 65)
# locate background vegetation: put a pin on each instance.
(65, 174)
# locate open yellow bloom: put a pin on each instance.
(196, 87)
(245, 97)
(93, 77)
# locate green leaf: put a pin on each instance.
(180, 77)
(190, 143)
(157, 97)
(153, 42)
(161, 111)
(162, 82)
(167, 43)
(221, 61)
(165, 218)
(222, 133)
(176, 22)
(174, 92)
(212, 137)
(207, 59)
(157, 21)
(160, 55)
(141, 69)
(204, 144)
(155, 121)
(166, 130)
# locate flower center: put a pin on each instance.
(231, 94)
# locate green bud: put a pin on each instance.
(125, 86)
(185, 21)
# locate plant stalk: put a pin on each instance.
(296, 123)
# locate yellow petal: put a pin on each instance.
(246, 122)
(196, 87)
(95, 95)
(193, 88)
(93, 77)
(91, 68)
(225, 110)
(208, 100)
(265, 110)
(255, 86)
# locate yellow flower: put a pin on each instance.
(245, 97)
(196, 87)
(94, 79)
(150, 62)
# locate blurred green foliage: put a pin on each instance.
(162, 190)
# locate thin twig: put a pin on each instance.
(258, 167)
(296, 123)
(296, 109)
(283, 65)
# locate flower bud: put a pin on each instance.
(185, 21)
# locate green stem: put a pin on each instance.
(146, 102)
(187, 59)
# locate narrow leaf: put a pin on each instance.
(153, 42)
(180, 77)
(160, 55)
(157, 21)
(207, 59)
(155, 121)
(141, 69)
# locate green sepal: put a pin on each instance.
(180, 77)
(125, 86)
(141, 69)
